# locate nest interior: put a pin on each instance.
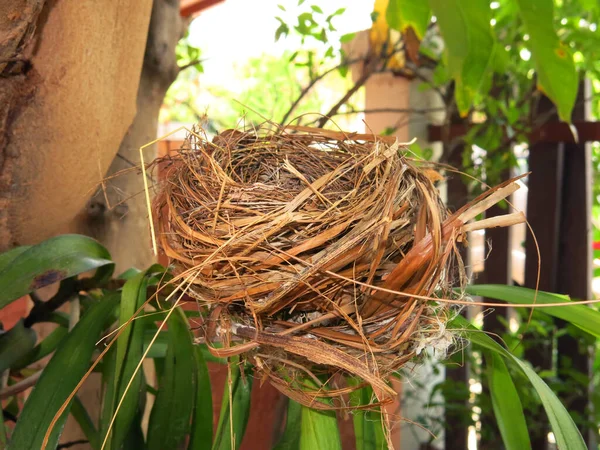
(310, 253)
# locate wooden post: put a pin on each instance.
(574, 270)
(544, 206)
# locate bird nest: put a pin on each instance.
(316, 255)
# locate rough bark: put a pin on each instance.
(68, 83)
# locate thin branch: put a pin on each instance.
(392, 110)
(359, 83)
(191, 64)
(68, 289)
(314, 81)
(20, 386)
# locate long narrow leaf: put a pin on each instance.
(172, 410)
(319, 430)
(290, 440)
(241, 388)
(59, 378)
(85, 422)
(49, 262)
(581, 316)
(506, 404)
(368, 425)
(129, 352)
(202, 419)
(565, 431)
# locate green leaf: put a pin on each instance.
(316, 9)
(581, 316)
(241, 388)
(368, 425)
(85, 422)
(347, 37)
(129, 352)
(49, 262)
(59, 378)
(170, 417)
(135, 437)
(290, 440)
(7, 257)
(319, 429)
(14, 344)
(202, 417)
(565, 431)
(556, 73)
(506, 404)
(44, 348)
(403, 14)
(469, 45)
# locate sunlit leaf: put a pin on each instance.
(404, 14)
(556, 73)
(469, 45)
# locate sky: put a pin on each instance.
(230, 33)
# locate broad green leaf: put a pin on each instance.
(565, 431)
(290, 440)
(170, 417)
(15, 344)
(581, 316)
(44, 348)
(506, 404)
(319, 429)
(556, 73)
(469, 45)
(241, 388)
(404, 14)
(7, 257)
(85, 422)
(368, 425)
(129, 353)
(64, 371)
(202, 417)
(49, 262)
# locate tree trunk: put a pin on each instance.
(67, 97)
(121, 224)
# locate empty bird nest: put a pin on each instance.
(316, 254)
